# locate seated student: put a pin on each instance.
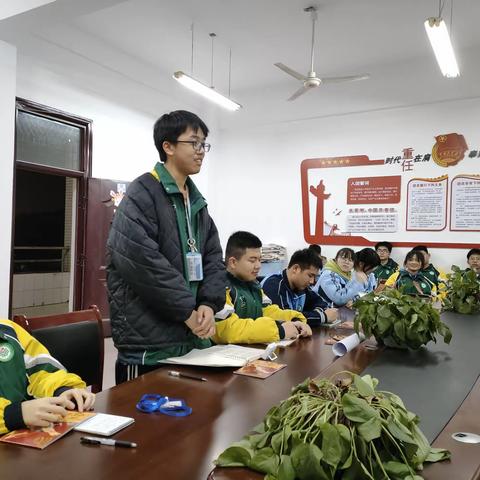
(249, 316)
(35, 389)
(338, 286)
(367, 261)
(411, 279)
(317, 249)
(387, 266)
(437, 276)
(473, 260)
(291, 288)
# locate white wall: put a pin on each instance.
(122, 140)
(8, 60)
(123, 145)
(257, 175)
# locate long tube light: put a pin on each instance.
(205, 91)
(442, 46)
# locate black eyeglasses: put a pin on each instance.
(197, 145)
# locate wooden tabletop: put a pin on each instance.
(225, 408)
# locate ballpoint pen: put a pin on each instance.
(174, 373)
(107, 441)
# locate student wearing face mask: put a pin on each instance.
(340, 283)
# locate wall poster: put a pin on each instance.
(409, 198)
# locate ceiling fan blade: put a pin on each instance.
(299, 92)
(291, 72)
(350, 78)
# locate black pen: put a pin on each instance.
(107, 441)
(174, 373)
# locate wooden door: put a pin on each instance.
(103, 196)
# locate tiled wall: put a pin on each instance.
(33, 289)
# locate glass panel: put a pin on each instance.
(47, 142)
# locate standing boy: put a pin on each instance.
(291, 289)
(249, 316)
(165, 276)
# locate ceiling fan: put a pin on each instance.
(311, 80)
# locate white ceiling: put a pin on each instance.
(130, 49)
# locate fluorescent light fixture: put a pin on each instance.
(205, 91)
(442, 46)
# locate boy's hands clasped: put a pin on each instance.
(202, 322)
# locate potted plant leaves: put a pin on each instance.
(346, 429)
(463, 292)
(399, 320)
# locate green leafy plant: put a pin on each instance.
(344, 430)
(404, 320)
(463, 291)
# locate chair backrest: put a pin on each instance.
(75, 339)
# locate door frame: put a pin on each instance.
(82, 175)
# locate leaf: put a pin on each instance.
(370, 430)
(364, 385)
(306, 462)
(260, 440)
(286, 470)
(399, 431)
(276, 441)
(331, 445)
(437, 455)
(357, 409)
(234, 456)
(396, 468)
(345, 441)
(265, 461)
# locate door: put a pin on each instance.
(103, 197)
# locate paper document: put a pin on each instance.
(218, 356)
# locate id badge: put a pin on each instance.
(194, 266)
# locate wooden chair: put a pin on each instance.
(75, 339)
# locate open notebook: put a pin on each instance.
(218, 356)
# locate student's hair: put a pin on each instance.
(305, 258)
(473, 251)
(317, 249)
(171, 125)
(238, 243)
(420, 248)
(416, 255)
(369, 257)
(387, 245)
(346, 253)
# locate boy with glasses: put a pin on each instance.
(387, 265)
(165, 276)
(473, 260)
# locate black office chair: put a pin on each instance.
(75, 339)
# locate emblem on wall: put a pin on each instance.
(449, 149)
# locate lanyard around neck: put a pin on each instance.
(188, 216)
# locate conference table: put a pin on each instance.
(227, 406)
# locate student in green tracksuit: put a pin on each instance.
(473, 260)
(410, 279)
(35, 389)
(387, 266)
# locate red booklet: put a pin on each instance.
(43, 437)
